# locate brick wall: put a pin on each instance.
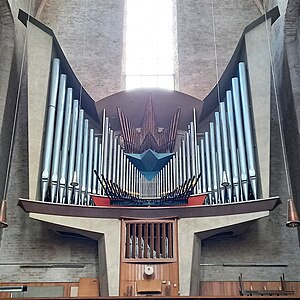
(196, 45)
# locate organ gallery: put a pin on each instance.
(162, 191)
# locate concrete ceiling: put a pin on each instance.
(165, 103)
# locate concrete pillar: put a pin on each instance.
(107, 232)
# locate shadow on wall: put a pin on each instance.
(7, 98)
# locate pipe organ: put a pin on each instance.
(160, 175)
(224, 154)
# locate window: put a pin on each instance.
(149, 44)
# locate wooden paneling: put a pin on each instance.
(67, 286)
(165, 275)
(232, 288)
(88, 287)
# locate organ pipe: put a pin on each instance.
(224, 156)
(58, 134)
(65, 145)
(208, 166)
(118, 164)
(203, 166)
(114, 171)
(199, 185)
(226, 149)
(184, 168)
(248, 128)
(72, 149)
(90, 161)
(78, 169)
(105, 146)
(100, 190)
(84, 160)
(50, 127)
(110, 154)
(240, 136)
(95, 164)
(213, 163)
(231, 125)
(188, 155)
(219, 156)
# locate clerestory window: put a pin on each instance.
(149, 44)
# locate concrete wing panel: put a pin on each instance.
(39, 49)
(258, 57)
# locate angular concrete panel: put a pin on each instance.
(107, 231)
(258, 62)
(39, 49)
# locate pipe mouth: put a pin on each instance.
(293, 224)
(3, 225)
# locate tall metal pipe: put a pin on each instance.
(199, 185)
(203, 167)
(121, 168)
(226, 150)
(58, 134)
(72, 149)
(84, 161)
(124, 171)
(180, 169)
(176, 174)
(219, 156)
(174, 177)
(105, 145)
(208, 167)
(248, 128)
(50, 127)
(65, 145)
(213, 162)
(240, 136)
(100, 190)
(118, 166)
(194, 136)
(95, 164)
(90, 163)
(183, 149)
(79, 154)
(188, 154)
(193, 150)
(168, 176)
(103, 138)
(114, 171)
(110, 153)
(234, 163)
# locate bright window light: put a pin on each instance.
(149, 44)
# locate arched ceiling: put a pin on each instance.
(165, 104)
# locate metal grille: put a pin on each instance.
(149, 240)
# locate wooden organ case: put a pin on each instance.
(149, 258)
